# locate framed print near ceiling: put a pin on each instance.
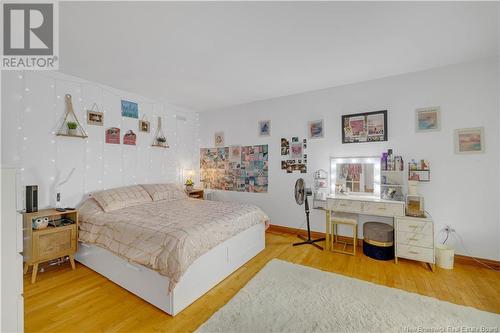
(315, 129)
(130, 109)
(364, 127)
(219, 139)
(469, 140)
(428, 119)
(265, 128)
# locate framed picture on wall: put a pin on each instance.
(130, 109)
(144, 126)
(469, 140)
(315, 129)
(95, 118)
(364, 127)
(219, 139)
(265, 128)
(428, 119)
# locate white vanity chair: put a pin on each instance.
(364, 195)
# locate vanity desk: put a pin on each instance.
(356, 184)
(360, 204)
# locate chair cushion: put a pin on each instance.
(169, 191)
(345, 218)
(121, 197)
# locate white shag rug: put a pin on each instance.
(285, 297)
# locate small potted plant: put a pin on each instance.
(72, 126)
(161, 140)
(189, 185)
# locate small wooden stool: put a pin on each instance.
(344, 219)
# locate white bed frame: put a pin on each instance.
(204, 274)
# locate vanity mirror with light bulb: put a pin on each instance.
(355, 176)
(355, 188)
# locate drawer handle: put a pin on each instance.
(343, 205)
(381, 208)
(414, 252)
(413, 239)
(413, 226)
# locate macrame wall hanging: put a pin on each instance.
(160, 140)
(70, 126)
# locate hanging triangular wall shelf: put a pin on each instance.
(70, 126)
(160, 140)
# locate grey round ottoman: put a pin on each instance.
(378, 240)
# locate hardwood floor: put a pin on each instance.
(63, 300)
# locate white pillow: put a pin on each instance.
(121, 197)
(168, 191)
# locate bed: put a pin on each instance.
(163, 246)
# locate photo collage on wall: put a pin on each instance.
(235, 168)
(293, 156)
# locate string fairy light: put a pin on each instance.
(147, 106)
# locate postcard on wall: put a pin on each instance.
(469, 140)
(235, 154)
(376, 126)
(285, 147)
(428, 119)
(315, 129)
(219, 139)
(265, 128)
(357, 127)
(130, 109)
(296, 150)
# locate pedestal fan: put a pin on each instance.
(301, 194)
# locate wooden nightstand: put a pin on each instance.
(52, 242)
(196, 194)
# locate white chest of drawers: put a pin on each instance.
(415, 239)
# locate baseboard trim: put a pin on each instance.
(471, 261)
(317, 234)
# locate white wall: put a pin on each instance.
(463, 190)
(32, 105)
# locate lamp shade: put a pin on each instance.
(187, 173)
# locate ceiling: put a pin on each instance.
(210, 55)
